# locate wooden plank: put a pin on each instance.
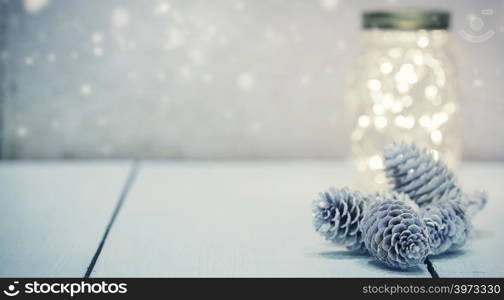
(230, 219)
(482, 255)
(54, 214)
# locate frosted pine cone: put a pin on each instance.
(337, 214)
(475, 202)
(413, 171)
(448, 225)
(394, 233)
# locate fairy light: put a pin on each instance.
(364, 121)
(380, 122)
(386, 68)
(405, 94)
(375, 162)
(431, 92)
(436, 136)
(374, 85)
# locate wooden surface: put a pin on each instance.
(254, 219)
(53, 215)
(482, 256)
(216, 219)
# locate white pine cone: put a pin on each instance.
(448, 225)
(414, 172)
(394, 233)
(336, 216)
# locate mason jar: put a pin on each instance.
(403, 89)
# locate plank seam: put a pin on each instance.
(430, 268)
(122, 197)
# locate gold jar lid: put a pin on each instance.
(406, 19)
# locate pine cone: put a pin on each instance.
(447, 223)
(337, 214)
(394, 233)
(413, 171)
(475, 202)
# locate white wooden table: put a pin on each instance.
(203, 219)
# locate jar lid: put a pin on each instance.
(409, 19)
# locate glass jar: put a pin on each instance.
(403, 90)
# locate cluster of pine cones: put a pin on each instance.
(426, 213)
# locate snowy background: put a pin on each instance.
(210, 79)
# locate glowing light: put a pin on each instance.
(386, 68)
(245, 81)
(35, 6)
(387, 100)
(161, 76)
(423, 42)
(357, 135)
(436, 136)
(378, 109)
(86, 89)
(405, 122)
(407, 68)
(412, 78)
(395, 52)
(440, 77)
(409, 122)
(175, 38)
(361, 166)
(256, 126)
(97, 37)
(399, 120)
(450, 107)
(396, 107)
(419, 59)
(364, 121)
(407, 100)
(162, 8)
(403, 87)
(22, 131)
(431, 92)
(306, 80)
(374, 85)
(439, 118)
(435, 154)
(51, 57)
(406, 74)
(98, 51)
(28, 61)
(424, 121)
(380, 122)
(375, 162)
(120, 17)
(329, 4)
(197, 56)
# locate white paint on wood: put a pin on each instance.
(482, 256)
(53, 215)
(230, 219)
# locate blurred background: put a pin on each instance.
(222, 79)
